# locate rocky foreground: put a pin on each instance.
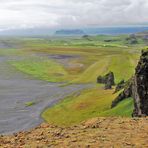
(96, 132)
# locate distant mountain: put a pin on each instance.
(73, 32)
(69, 32)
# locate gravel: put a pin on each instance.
(16, 89)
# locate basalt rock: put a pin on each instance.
(126, 93)
(108, 85)
(137, 88)
(140, 86)
(108, 80)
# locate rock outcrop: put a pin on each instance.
(140, 86)
(137, 88)
(126, 93)
(108, 80)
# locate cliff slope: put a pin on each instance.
(140, 86)
(137, 88)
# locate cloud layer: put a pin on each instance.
(71, 13)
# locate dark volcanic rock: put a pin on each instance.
(108, 85)
(126, 93)
(108, 80)
(137, 88)
(140, 86)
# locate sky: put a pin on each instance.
(18, 14)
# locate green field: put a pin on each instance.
(41, 68)
(74, 109)
(80, 60)
(89, 61)
(90, 103)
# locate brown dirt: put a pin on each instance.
(94, 133)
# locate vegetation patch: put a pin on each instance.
(41, 68)
(124, 109)
(90, 103)
(74, 109)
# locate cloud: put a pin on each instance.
(71, 13)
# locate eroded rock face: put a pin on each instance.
(140, 86)
(137, 88)
(108, 80)
(126, 93)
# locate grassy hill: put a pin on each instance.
(90, 103)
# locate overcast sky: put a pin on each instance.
(71, 13)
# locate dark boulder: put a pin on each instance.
(101, 79)
(108, 79)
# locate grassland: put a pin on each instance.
(84, 69)
(123, 109)
(90, 62)
(81, 60)
(97, 56)
(77, 108)
(90, 103)
(40, 68)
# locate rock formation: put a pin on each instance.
(120, 86)
(108, 80)
(137, 88)
(140, 86)
(126, 93)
